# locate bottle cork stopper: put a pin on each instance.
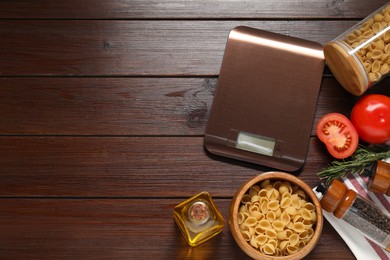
(380, 181)
(348, 71)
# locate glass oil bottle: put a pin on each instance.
(198, 219)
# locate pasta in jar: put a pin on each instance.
(359, 57)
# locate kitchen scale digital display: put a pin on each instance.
(265, 100)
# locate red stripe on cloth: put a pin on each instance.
(378, 250)
(359, 188)
(363, 192)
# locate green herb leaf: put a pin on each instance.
(362, 157)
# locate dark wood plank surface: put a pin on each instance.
(103, 108)
(133, 48)
(117, 228)
(174, 9)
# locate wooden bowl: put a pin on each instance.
(236, 203)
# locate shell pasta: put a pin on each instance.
(371, 42)
(276, 218)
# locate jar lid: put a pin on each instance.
(333, 196)
(380, 182)
(348, 71)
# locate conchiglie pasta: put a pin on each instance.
(282, 235)
(276, 219)
(283, 245)
(293, 239)
(273, 194)
(313, 216)
(254, 190)
(273, 205)
(255, 198)
(301, 244)
(297, 218)
(278, 212)
(261, 239)
(285, 218)
(291, 249)
(289, 232)
(278, 252)
(251, 222)
(259, 230)
(253, 242)
(307, 223)
(285, 202)
(385, 57)
(370, 41)
(246, 198)
(264, 224)
(271, 233)
(384, 68)
(268, 249)
(309, 206)
(276, 185)
(295, 201)
(263, 199)
(285, 187)
(263, 193)
(255, 207)
(273, 242)
(246, 235)
(265, 183)
(257, 215)
(376, 54)
(292, 211)
(298, 227)
(264, 207)
(304, 235)
(271, 216)
(290, 225)
(301, 194)
(278, 225)
(242, 208)
(305, 213)
(242, 216)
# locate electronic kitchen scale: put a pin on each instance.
(265, 100)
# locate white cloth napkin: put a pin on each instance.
(361, 247)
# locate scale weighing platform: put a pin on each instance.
(265, 100)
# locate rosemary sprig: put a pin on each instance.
(362, 157)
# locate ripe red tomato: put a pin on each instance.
(371, 118)
(338, 134)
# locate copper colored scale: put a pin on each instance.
(265, 99)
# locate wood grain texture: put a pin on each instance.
(103, 109)
(184, 9)
(117, 229)
(127, 106)
(133, 48)
(127, 167)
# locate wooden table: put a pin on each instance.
(103, 109)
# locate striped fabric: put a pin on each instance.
(357, 183)
(360, 246)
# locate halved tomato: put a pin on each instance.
(338, 134)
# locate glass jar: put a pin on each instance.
(360, 57)
(198, 219)
(361, 213)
